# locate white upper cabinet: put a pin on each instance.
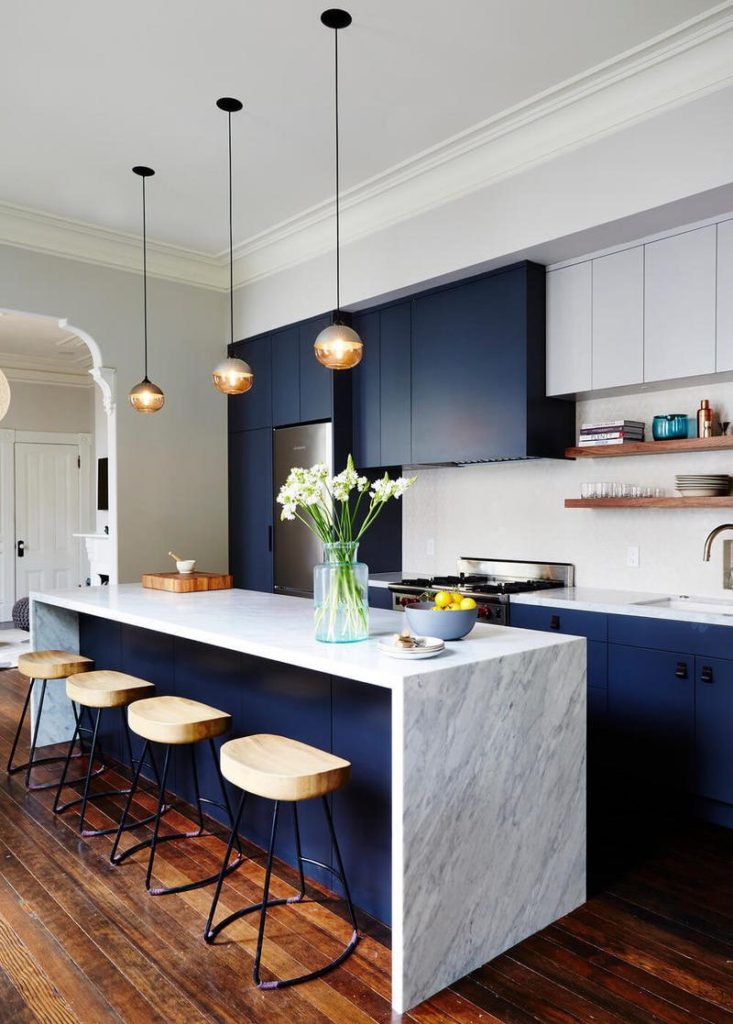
(569, 306)
(679, 298)
(724, 360)
(618, 319)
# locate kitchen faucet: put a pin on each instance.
(711, 537)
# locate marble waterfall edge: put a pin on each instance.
(494, 813)
(53, 629)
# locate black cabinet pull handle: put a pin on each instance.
(681, 670)
(706, 674)
(555, 622)
(21, 549)
(269, 538)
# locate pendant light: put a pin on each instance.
(145, 396)
(231, 376)
(338, 347)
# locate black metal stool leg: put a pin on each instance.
(34, 738)
(340, 863)
(265, 897)
(210, 934)
(67, 760)
(90, 765)
(156, 826)
(196, 788)
(225, 795)
(299, 855)
(18, 731)
(114, 856)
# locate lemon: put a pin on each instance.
(456, 598)
(468, 603)
(442, 599)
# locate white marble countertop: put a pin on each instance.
(280, 628)
(626, 602)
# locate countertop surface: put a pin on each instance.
(628, 602)
(383, 579)
(280, 629)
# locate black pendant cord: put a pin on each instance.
(231, 241)
(338, 225)
(145, 283)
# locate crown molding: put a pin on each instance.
(685, 63)
(39, 375)
(680, 65)
(78, 240)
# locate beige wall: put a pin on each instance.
(50, 407)
(172, 485)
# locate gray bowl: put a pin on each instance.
(447, 625)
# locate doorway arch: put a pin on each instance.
(104, 378)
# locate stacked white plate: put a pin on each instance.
(702, 485)
(426, 647)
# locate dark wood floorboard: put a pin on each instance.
(82, 943)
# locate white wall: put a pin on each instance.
(172, 490)
(684, 151)
(515, 510)
(50, 407)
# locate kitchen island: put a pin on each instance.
(463, 825)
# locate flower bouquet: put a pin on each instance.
(339, 510)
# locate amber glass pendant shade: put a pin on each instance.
(146, 397)
(233, 377)
(338, 347)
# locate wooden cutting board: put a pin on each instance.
(186, 583)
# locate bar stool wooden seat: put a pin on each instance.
(174, 722)
(99, 691)
(282, 769)
(41, 667)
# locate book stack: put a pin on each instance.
(611, 432)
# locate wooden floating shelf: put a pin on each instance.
(716, 502)
(687, 444)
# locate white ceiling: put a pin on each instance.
(41, 343)
(91, 88)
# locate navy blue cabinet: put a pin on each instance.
(383, 389)
(713, 720)
(367, 393)
(253, 409)
(395, 349)
(250, 509)
(316, 382)
(285, 355)
(651, 713)
(380, 597)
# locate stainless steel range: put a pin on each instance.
(489, 581)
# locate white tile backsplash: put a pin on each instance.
(515, 510)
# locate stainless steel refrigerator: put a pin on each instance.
(296, 550)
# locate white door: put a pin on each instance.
(47, 514)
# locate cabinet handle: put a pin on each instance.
(706, 674)
(269, 538)
(21, 549)
(555, 622)
(681, 670)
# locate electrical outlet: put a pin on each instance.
(430, 547)
(632, 556)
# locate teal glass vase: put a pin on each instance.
(341, 595)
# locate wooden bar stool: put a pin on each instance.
(173, 722)
(282, 769)
(98, 691)
(42, 666)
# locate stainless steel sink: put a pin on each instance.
(703, 605)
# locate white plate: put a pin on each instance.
(433, 645)
(701, 492)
